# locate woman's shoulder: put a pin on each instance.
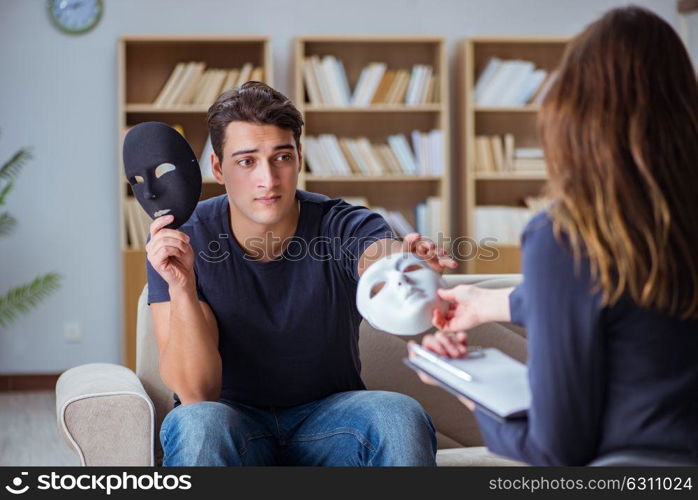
(540, 231)
(543, 246)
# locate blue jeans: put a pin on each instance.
(355, 428)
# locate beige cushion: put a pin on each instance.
(476, 456)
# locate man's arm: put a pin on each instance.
(436, 257)
(187, 338)
(185, 327)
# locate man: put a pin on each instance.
(258, 333)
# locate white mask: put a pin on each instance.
(397, 294)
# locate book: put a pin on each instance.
(433, 213)
(368, 84)
(166, 91)
(257, 74)
(178, 86)
(333, 80)
(312, 86)
(412, 88)
(509, 152)
(510, 95)
(201, 85)
(402, 150)
(400, 223)
(358, 201)
(497, 152)
(359, 159)
(214, 87)
(529, 164)
(384, 87)
(495, 382)
(485, 77)
(436, 151)
(189, 86)
(398, 89)
(503, 223)
(205, 160)
(544, 88)
(231, 80)
(314, 157)
(349, 155)
(392, 164)
(484, 158)
(245, 73)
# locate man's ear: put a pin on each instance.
(217, 169)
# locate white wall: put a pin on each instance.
(58, 95)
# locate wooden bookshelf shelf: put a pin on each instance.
(145, 64)
(510, 176)
(150, 108)
(423, 108)
(498, 188)
(383, 178)
(377, 122)
(532, 108)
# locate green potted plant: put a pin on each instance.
(20, 299)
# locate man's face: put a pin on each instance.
(259, 169)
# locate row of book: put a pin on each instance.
(427, 216)
(328, 155)
(505, 223)
(137, 224)
(496, 153)
(193, 83)
(511, 83)
(326, 84)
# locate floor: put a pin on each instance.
(28, 431)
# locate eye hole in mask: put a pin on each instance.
(412, 268)
(376, 288)
(163, 168)
(136, 179)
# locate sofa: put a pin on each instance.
(111, 416)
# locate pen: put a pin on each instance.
(442, 364)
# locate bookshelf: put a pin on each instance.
(498, 188)
(144, 65)
(376, 121)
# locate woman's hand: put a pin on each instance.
(442, 343)
(471, 306)
(463, 311)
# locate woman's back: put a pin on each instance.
(651, 398)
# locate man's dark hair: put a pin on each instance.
(252, 102)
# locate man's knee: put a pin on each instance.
(398, 411)
(401, 429)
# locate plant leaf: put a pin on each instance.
(21, 299)
(5, 190)
(10, 170)
(7, 223)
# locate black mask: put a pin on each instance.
(163, 171)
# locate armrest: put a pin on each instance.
(105, 415)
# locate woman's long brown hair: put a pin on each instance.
(620, 132)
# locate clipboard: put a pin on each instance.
(495, 382)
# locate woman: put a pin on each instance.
(610, 291)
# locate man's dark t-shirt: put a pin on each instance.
(288, 329)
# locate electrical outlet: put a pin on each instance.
(72, 331)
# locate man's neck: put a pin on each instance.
(264, 243)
